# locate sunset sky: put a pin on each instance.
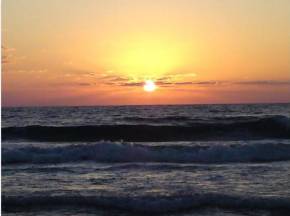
(100, 52)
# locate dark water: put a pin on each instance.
(136, 160)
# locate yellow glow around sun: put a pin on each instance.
(149, 86)
(143, 54)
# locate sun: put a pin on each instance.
(149, 86)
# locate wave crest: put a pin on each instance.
(270, 127)
(127, 152)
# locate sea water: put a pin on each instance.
(146, 160)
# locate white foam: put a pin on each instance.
(128, 152)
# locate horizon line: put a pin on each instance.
(115, 105)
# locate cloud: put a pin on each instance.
(32, 71)
(169, 84)
(25, 71)
(108, 77)
(104, 75)
(176, 76)
(269, 82)
(84, 84)
(69, 75)
(196, 83)
(118, 79)
(7, 49)
(90, 74)
(10, 59)
(180, 86)
(205, 83)
(263, 82)
(181, 75)
(183, 83)
(181, 80)
(110, 83)
(163, 83)
(4, 60)
(133, 84)
(113, 77)
(75, 84)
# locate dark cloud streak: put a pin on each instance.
(7, 49)
(264, 82)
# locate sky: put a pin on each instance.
(99, 52)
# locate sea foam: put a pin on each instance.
(129, 152)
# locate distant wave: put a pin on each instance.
(157, 204)
(127, 152)
(270, 127)
(164, 119)
(187, 120)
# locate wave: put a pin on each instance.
(163, 119)
(127, 152)
(156, 204)
(190, 121)
(270, 127)
(199, 119)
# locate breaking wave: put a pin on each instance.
(127, 152)
(270, 127)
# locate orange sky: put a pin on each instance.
(63, 52)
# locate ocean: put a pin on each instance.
(219, 160)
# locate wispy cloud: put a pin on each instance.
(90, 74)
(84, 84)
(6, 48)
(133, 84)
(69, 75)
(267, 82)
(108, 76)
(183, 83)
(205, 83)
(33, 71)
(110, 83)
(263, 82)
(11, 59)
(113, 76)
(120, 79)
(163, 83)
(104, 75)
(181, 80)
(25, 71)
(195, 83)
(176, 76)
(182, 86)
